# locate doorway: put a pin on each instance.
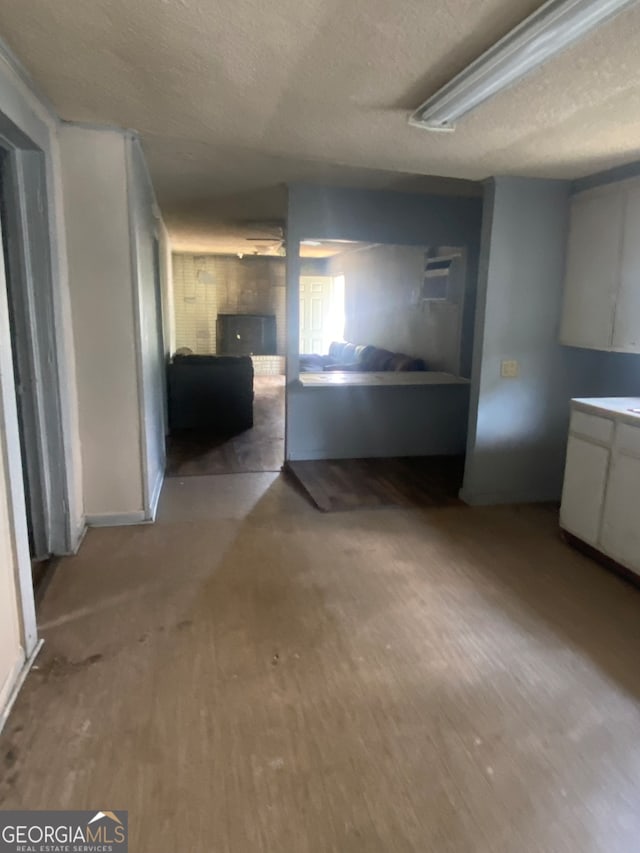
(226, 375)
(38, 457)
(321, 312)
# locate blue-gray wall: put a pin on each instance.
(361, 422)
(610, 176)
(518, 427)
(379, 217)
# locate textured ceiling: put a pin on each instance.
(236, 97)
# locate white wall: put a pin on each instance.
(112, 219)
(100, 276)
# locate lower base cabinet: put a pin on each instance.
(620, 533)
(585, 480)
(601, 492)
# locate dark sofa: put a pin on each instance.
(210, 392)
(365, 358)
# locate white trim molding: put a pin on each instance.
(117, 519)
(18, 681)
(155, 496)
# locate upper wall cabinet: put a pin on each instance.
(602, 280)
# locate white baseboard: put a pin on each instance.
(78, 538)
(155, 495)
(116, 519)
(17, 684)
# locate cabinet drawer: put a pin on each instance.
(592, 426)
(628, 439)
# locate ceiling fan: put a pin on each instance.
(272, 242)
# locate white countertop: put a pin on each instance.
(618, 408)
(389, 378)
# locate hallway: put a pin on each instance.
(250, 674)
(260, 448)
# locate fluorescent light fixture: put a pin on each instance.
(310, 243)
(554, 26)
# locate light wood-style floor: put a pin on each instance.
(252, 675)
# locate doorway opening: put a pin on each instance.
(37, 455)
(381, 335)
(226, 377)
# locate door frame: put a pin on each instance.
(14, 473)
(29, 221)
(29, 225)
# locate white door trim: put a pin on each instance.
(13, 467)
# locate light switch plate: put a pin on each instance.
(509, 369)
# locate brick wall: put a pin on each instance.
(205, 285)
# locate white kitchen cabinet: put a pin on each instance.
(620, 535)
(601, 308)
(585, 479)
(593, 270)
(626, 329)
(601, 493)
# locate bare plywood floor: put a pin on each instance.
(251, 675)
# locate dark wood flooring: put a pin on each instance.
(192, 454)
(344, 484)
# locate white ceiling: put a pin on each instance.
(236, 97)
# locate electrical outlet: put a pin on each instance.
(509, 369)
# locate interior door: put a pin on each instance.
(24, 372)
(315, 309)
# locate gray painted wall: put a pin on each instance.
(366, 216)
(378, 285)
(381, 284)
(518, 427)
(326, 213)
(619, 374)
(361, 422)
(610, 176)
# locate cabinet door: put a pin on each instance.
(593, 269)
(626, 327)
(620, 536)
(585, 478)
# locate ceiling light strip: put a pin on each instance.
(553, 27)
